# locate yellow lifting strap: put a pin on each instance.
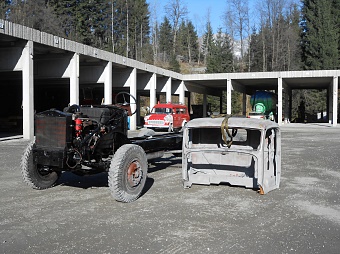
(225, 131)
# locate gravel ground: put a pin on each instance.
(80, 216)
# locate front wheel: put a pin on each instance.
(34, 175)
(128, 173)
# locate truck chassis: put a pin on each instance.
(88, 140)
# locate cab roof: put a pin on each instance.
(233, 122)
(170, 105)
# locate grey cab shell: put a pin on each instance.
(249, 157)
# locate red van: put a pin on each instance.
(167, 116)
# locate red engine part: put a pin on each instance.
(78, 126)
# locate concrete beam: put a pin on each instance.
(161, 84)
(11, 58)
(143, 80)
(236, 86)
(121, 75)
(53, 66)
(92, 74)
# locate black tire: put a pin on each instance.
(128, 173)
(32, 176)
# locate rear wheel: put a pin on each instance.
(128, 173)
(34, 175)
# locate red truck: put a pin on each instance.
(167, 116)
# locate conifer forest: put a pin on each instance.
(278, 35)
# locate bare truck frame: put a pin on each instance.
(89, 140)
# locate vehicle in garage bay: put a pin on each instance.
(169, 116)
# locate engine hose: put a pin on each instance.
(225, 131)
(90, 135)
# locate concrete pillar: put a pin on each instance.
(335, 101)
(132, 80)
(286, 111)
(290, 94)
(204, 105)
(279, 101)
(168, 90)
(221, 103)
(287, 97)
(28, 91)
(74, 80)
(244, 102)
(108, 84)
(181, 93)
(189, 102)
(153, 85)
(329, 104)
(229, 96)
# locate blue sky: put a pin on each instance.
(198, 11)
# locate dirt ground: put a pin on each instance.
(80, 216)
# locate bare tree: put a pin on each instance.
(272, 12)
(127, 28)
(177, 11)
(199, 26)
(236, 19)
(153, 8)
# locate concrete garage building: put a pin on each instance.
(40, 71)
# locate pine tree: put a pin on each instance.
(220, 60)
(36, 14)
(187, 42)
(165, 40)
(139, 28)
(4, 9)
(220, 57)
(66, 14)
(336, 15)
(208, 40)
(192, 43)
(320, 35)
(174, 64)
(256, 59)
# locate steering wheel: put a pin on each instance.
(73, 109)
(125, 103)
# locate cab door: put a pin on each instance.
(272, 160)
(176, 117)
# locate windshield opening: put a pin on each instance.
(161, 111)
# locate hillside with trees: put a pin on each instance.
(278, 35)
